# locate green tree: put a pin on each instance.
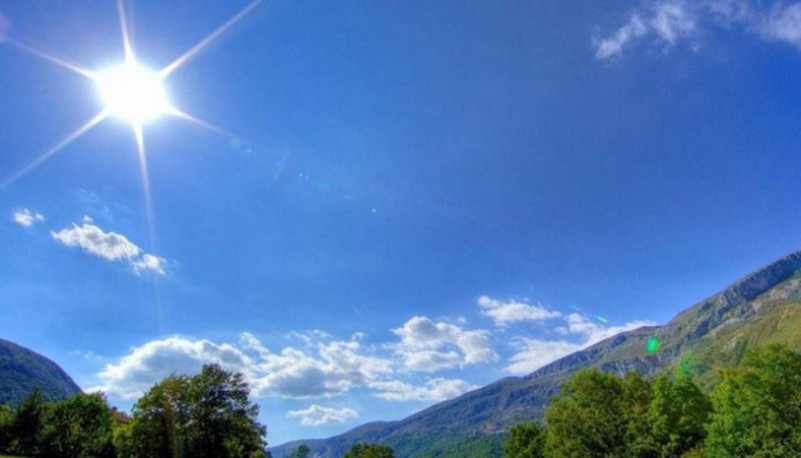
(26, 429)
(208, 415)
(122, 438)
(587, 417)
(79, 427)
(159, 417)
(6, 420)
(526, 440)
(676, 415)
(365, 450)
(757, 407)
(301, 452)
(637, 396)
(222, 420)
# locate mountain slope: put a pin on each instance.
(22, 371)
(764, 307)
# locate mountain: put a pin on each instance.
(22, 371)
(762, 308)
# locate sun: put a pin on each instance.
(129, 91)
(132, 93)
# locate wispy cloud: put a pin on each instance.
(533, 353)
(27, 218)
(435, 389)
(316, 415)
(507, 312)
(668, 22)
(110, 246)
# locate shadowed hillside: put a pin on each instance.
(22, 371)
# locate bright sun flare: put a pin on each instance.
(132, 93)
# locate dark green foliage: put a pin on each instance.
(155, 429)
(300, 452)
(6, 420)
(208, 415)
(600, 414)
(365, 450)
(587, 418)
(28, 426)
(754, 412)
(22, 371)
(525, 440)
(122, 438)
(79, 427)
(638, 396)
(758, 407)
(677, 415)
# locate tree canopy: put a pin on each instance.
(365, 450)
(754, 412)
(526, 440)
(758, 407)
(207, 415)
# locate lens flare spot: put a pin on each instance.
(652, 345)
(132, 93)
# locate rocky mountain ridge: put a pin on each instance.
(763, 307)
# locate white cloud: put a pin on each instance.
(672, 21)
(316, 415)
(110, 246)
(783, 23)
(322, 366)
(146, 365)
(26, 218)
(535, 353)
(428, 346)
(531, 354)
(149, 262)
(613, 45)
(319, 367)
(594, 332)
(435, 389)
(330, 368)
(669, 22)
(504, 313)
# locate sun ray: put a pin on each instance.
(126, 36)
(201, 123)
(192, 52)
(150, 217)
(63, 63)
(55, 149)
(145, 176)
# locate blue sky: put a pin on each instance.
(398, 201)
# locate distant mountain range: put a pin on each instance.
(22, 371)
(762, 308)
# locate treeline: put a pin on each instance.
(207, 415)
(755, 411)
